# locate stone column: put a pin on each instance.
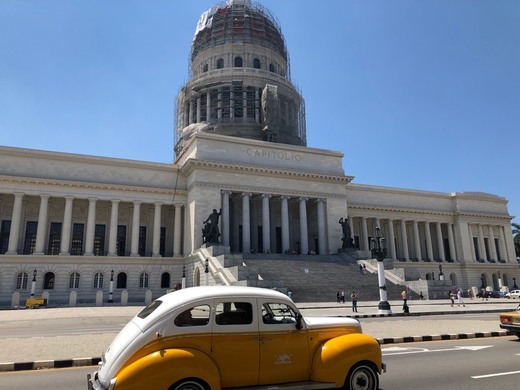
(429, 247)
(42, 225)
(285, 222)
(266, 226)
(391, 240)
(67, 227)
(190, 112)
(177, 232)
(404, 241)
(322, 234)
(91, 227)
(16, 221)
(208, 105)
(451, 242)
(246, 224)
(417, 240)
(225, 217)
(492, 246)
(481, 245)
(257, 105)
(502, 244)
(440, 242)
(156, 240)
(198, 109)
(364, 235)
(219, 104)
(114, 219)
(136, 218)
(304, 243)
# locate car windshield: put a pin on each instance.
(149, 309)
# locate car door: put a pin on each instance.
(284, 350)
(235, 345)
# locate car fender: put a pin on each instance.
(162, 368)
(334, 359)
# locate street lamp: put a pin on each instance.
(111, 290)
(183, 276)
(206, 273)
(378, 248)
(33, 285)
(441, 275)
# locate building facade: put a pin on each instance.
(83, 229)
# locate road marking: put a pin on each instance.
(497, 374)
(404, 351)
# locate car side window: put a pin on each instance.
(195, 316)
(278, 313)
(234, 313)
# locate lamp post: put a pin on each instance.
(378, 247)
(441, 275)
(206, 274)
(183, 276)
(111, 289)
(33, 285)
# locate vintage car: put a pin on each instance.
(511, 321)
(219, 337)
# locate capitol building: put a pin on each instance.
(83, 229)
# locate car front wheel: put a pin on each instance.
(362, 377)
(189, 384)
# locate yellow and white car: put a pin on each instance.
(511, 321)
(212, 338)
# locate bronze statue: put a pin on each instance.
(210, 231)
(347, 239)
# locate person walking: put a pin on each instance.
(338, 297)
(354, 297)
(404, 295)
(452, 297)
(460, 300)
(342, 296)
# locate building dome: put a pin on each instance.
(239, 79)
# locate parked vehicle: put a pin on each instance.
(511, 321)
(212, 338)
(513, 294)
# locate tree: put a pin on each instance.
(516, 238)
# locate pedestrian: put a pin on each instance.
(421, 296)
(364, 269)
(338, 297)
(360, 268)
(452, 295)
(404, 295)
(342, 295)
(459, 298)
(289, 293)
(354, 297)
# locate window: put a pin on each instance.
(271, 68)
(121, 240)
(30, 238)
(142, 241)
(205, 69)
(76, 248)
(5, 230)
(98, 281)
(196, 316)
(48, 281)
(53, 248)
(143, 280)
(165, 280)
(220, 63)
(278, 313)
(99, 240)
(238, 62)
(256, 63)
(121, 280)
(74, 280)
(21, 281)
(162, 243)
(234, 313)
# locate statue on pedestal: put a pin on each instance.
(346, 239)
(210, 230)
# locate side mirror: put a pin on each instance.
(299, 321)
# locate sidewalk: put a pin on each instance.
(85, 349)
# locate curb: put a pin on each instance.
(459, 336)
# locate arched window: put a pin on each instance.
(256, 63)
(271, 67)
(143, 280)
(98, 281)
(48, 281)
(21, 281)
(165, 280)
(121, 280)
(238, 62)
(220, 63)
(74, 280)
(205, 69)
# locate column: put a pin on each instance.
(219, 104)
(177, 231)
(364, 235)
(257, 105)
(136, 218)
(502, 244)
(67, 227)
(190, 112)
(225, 218)
(429, 248)
(91, 227)
(417, 240)
(304, 243)
(266, 226)
(391, 241)
(404, 241)
(451, 242)
(440, 242)
(16, 220)
(492, 246)
(322, 241)
(481, 245)
(246, 232)
(156, 240)
(208, 105)
(231, 104)
(114, 218)
(244, 105)
(198, 109)
(285, 222)
(42, 225)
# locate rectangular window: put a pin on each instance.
(77, 239)
(30, 237)
(162, 245)
(5, 230)
(53, 248)
(121, 240)
(99, 240)
(142, 241)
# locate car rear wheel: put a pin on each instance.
(189, 384)
(362, 377)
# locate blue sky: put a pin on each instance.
(418, 94)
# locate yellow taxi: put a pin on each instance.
(219, 337)
(511, 321)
